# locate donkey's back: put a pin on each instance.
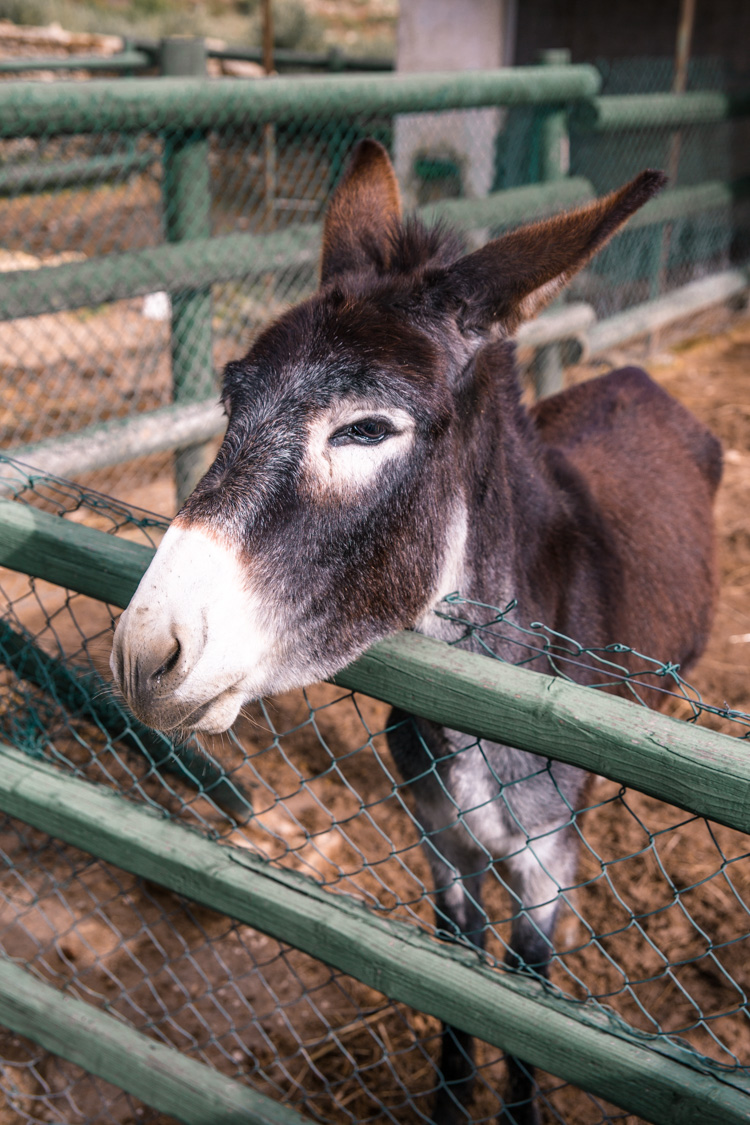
(651, 469)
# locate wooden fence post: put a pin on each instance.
(187, 215)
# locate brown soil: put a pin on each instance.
(656, 928)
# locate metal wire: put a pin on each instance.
(65, 371)
(654, 931)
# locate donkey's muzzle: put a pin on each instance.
(149, 670)
(189, 650)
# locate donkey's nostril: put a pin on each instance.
(161, 666)
(169, 664)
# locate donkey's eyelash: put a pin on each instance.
(365, 431)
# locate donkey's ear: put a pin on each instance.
(515, 276)
(364, 210)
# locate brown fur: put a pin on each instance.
(373, 196)
(643, 457)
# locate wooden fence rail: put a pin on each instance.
(30, 109)
(161, 1076)
(660, 1080)
(181, 112)
(699, 770)
(705, 772)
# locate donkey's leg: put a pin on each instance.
(458, 863)
(536, 876)
(458, 911)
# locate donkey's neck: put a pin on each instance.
(533, 528)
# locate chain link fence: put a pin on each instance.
(105, 320)
(650, 259)
(654, 932)
(140, 254)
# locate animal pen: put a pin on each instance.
(152, 223)
(239, 928)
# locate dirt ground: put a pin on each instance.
(656, 927)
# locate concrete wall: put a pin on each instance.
(452, 35)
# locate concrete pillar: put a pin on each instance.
(456, 147)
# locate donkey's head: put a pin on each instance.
(336, 512)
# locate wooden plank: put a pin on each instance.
(134, 273)
(680, 303)
(159, 1075)
(69, 554)
(209, 260)
(569, 322)
(689, 766)
(580, 1043)
(128, 59)
(156, 104)
(122, 439)
(513, 205)
(18, 179)
(611, 113)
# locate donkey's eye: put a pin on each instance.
(369, 431)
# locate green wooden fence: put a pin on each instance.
(185, 111)
(696, 769)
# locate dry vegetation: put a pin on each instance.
(355, 26)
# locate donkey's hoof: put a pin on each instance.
(448, 1110)
(525, 1114)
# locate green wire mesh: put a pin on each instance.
(75, 198)
(654, 930)
(642, 264)
(545, 650)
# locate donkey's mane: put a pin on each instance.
(414, 246)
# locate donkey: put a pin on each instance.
(377, 457)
